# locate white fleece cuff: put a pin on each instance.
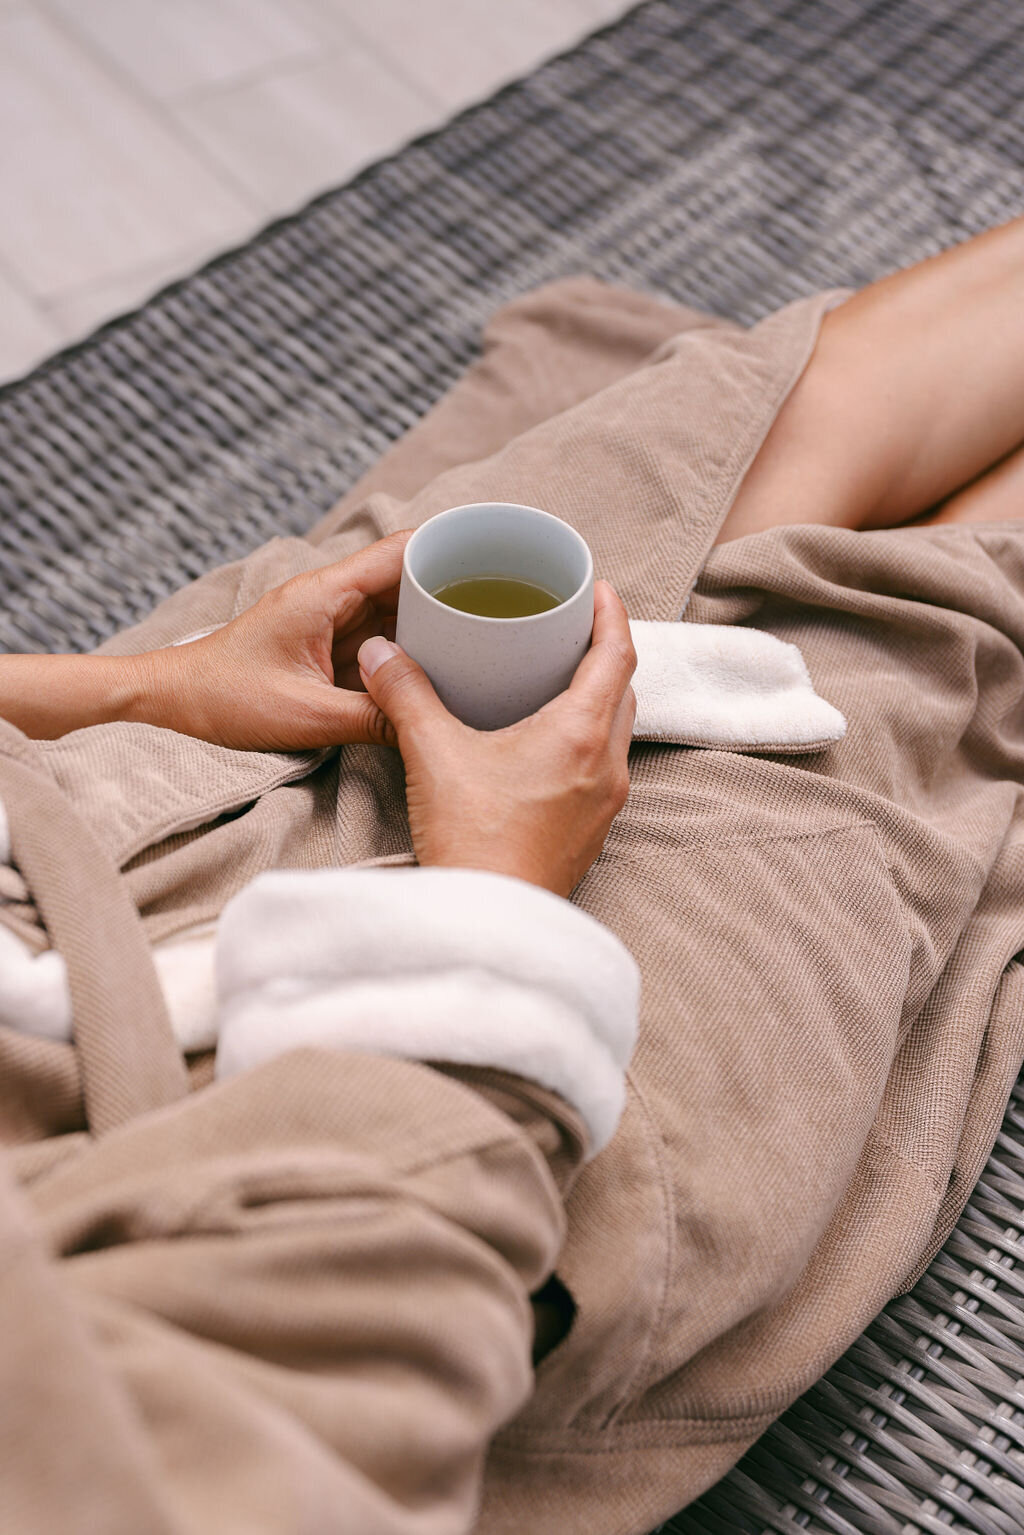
(722, 686)
(430, 965)
(34, 994)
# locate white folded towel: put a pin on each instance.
(716, 685)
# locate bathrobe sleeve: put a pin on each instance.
(453, 965)
(295, 1302)
(298, 1301)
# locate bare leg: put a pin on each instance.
(915, 389)
(995, 496)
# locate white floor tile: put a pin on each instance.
(599, 13)
(25, 336)
(171, 47)
(293, 134)
(92, 184)
(143, 137)
(461, 50)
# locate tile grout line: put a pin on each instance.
(331, 48)
(374, 50)
(269, 211)
(163, 114)
(168, 114)
(12, 274)
(581, 30)
(13, 278)
(149, 104)
(295, 67)
(293, 64)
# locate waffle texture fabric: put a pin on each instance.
(240, 1288)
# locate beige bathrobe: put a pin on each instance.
(295, 1300)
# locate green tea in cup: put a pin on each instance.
(497, 606)
(497, 597)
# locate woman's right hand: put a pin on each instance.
(534, 800)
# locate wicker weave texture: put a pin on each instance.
(733, 154)
(920, 1426)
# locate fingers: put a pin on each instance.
(400, 688)
(316, 714)
(376, 571)
(346, 646)
(602, 677)
(365, 723)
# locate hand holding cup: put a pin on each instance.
(535, 799)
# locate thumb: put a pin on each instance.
(400, 689)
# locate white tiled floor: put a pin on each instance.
(140, 137)
(282, 136)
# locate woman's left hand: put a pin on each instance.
(283, 675)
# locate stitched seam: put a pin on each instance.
(875, 1138)
(513, 1137)
(757, 839)
(643, 1369)
(517, 1443)
(205, 811)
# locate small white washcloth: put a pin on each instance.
(736, 689)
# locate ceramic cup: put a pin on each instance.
(491, 672)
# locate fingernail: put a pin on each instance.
(374, 652)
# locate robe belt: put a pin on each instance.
(127, 1054)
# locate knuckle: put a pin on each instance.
(396, 679)
(277, 596)
(580, 736)
(381, 730)
(576, 733)
(588, 747)
(622, 651)
(300, 582)
(288, 597)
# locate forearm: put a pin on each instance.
(47, 696)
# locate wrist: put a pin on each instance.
(502, 860)
(49, 696)
(150, 689)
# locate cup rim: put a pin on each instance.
(482, 618)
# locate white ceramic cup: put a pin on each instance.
(490, 672)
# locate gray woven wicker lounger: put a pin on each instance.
(733, 154)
